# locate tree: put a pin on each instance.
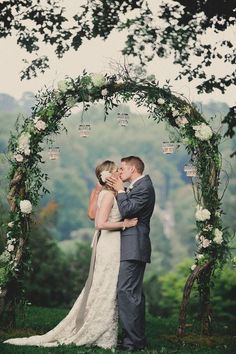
(175, 27)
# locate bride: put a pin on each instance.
(93, 319)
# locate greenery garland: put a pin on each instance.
(188, 125)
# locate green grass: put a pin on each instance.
(160, 333)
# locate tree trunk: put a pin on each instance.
(204, 280)
(186, 296)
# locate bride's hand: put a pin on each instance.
(130, 222)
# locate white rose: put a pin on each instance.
(63, 85)
(27, 151)
(18, 157)
(104, 92)
(202, 214)
(24, 141)
(98, 80)
(160, 101)
(193, 266)
(199, 256)
(203, 131)
(218, 236)
(10, 248)
(175, 113)
(25, 206)
(10, 224)
(104, 175)
(40, 125)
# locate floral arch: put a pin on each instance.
(26, 178)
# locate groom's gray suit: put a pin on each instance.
(135, 253)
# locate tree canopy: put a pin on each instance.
(177, 28)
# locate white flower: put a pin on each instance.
(181, 121)
(27, 152)
(10, 224)
(63, 85)
(208, 227)
(25, 206)
(202, 214)
(104, 175)
(205, 242)
(36, 119)
(193, 266)
(10, 247)
(104, 92)
(24, 141)
(197, 237)
(203, 131)
(175, 113)
(40, 125)
(160, 101)
(98, 80)
(218, 236)
(18, 157)
(200, 256)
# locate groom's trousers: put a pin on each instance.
(131, 303)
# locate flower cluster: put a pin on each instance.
(203, 131)
(25, 206)
(39, 124)
(202, 214)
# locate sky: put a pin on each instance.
(95, 56)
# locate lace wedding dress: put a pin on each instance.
(93, 319)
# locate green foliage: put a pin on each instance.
(55, 278)
(164, 293)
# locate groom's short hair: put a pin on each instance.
(134, 161)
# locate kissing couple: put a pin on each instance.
(120, 250)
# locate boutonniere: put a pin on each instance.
(129, 189)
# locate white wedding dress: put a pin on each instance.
(93, 319)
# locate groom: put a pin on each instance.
(138, 201)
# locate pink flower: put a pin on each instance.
(40, 125)
(104, 92)
(19, 157)
(205, 242)
(181, 121)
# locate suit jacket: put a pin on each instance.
(139, 202)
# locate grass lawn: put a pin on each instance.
(160, 333)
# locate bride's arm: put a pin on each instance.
(103, 212)
(91, 212)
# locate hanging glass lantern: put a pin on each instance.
(123, 119)
(54, 153)
(84, 130)
(168, 147)
(190, 170)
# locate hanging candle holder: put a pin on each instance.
(190, 170)
(168, 147)
(84, 130)
(123, 119)
(54, 153)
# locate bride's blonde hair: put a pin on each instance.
(107, 165)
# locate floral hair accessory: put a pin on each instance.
(104, 175)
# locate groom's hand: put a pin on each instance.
(115, 183)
